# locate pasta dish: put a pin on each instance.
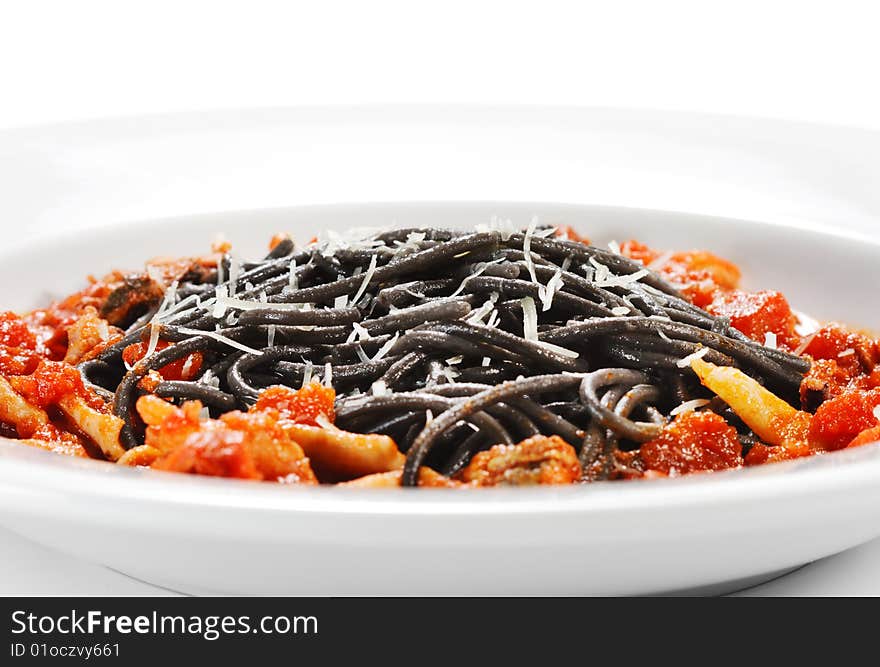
(436, 358)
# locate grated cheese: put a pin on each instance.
(361, 354)
(770, 340)
(270, 335)
(686, 361)
(169, 296)
(877, 412)
(154, 273)
(368, 276)
(455, 360)
(340, 301)
(220, 338)
(307, 374)
(804, 344)
(476, 316)
(379, 388)
(848, 352)
(530, 318)
(806, 325)
(504, 226)
(328, 375)
(620, 310)
(449, 373)
(234, 268)
(292, 281)
(622, 281)
(481, 267)
(527, 249)
(322, 421)
(558, 349)
(223, 302)
(358, 332)
(601, 272)
(486, 361)
(614, 247)
(689, 406)
(386, 348)
(210, 379)
(154, 339)
(221, 294)
(555, 284)
(661, 261)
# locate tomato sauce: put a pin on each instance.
(697, 273)
(757, 314)
(51, 382)
(186, 368)
(693, 442)
(302, 406)
(839, 420)
(19, 353)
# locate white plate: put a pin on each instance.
(208, 535)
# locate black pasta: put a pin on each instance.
(449, 342)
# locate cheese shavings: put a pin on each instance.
(527, 249)
(558, 349)
(219, 338)
(530, 318)
(154, 339)
(220, 301)
(386, 348)
(686, 361)
(292, 280)
(546, 293)
(368, 276)
(689, 406)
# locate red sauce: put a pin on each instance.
(867, 437)
(18, 346)
(302, 406)
(697, 273)
(186, 368)
(693, 442)
(760, 453)
(568, 233)
(757, 314)
(855, 352)
(839, 420)
(276, 239)
(50, 324)
(220, 453)
(52, 381)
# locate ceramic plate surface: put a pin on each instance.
(762, 193)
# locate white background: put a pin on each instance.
(61, 61)
(805, 60)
